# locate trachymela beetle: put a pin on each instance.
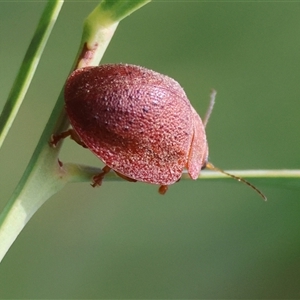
(138, 122)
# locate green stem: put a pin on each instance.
(44, 176)
(28, 67)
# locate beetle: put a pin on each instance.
(140, 123)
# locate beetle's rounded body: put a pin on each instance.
(138, 122)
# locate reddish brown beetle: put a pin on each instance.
(138, 122)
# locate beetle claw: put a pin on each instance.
(97, 179)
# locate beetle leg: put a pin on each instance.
(125, 177)
(163, 189)
(71, 133)
(97, 179)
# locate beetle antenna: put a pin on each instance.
(213, 94)
(212, 167)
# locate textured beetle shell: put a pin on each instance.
(137, 121)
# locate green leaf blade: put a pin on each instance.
(28, 67)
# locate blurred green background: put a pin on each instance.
(203, 239)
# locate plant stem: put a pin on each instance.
(44, 175)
